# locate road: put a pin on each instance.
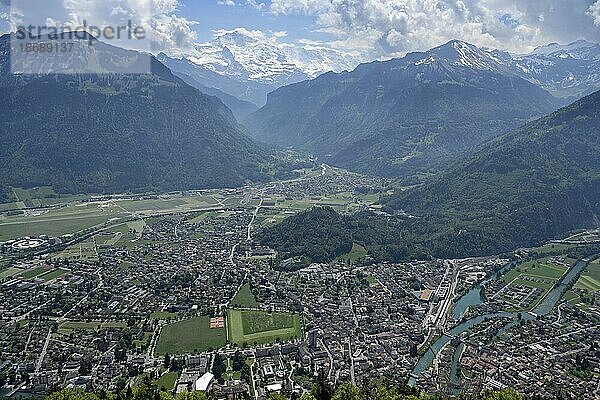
(40, 360)
(83, 299)
(23, 316)
(330, 358)
(254, 214)
(352, 377)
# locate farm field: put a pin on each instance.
(201, 217)
(189, 336)
(53, 274)
(590, 278)
(244, 298)
(542, 268)
(74, 215)
(250, 327)
(43, 196)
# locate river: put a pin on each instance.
(472, 298)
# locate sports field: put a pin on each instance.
(189, 336)
(542, 268)
(259, 327)
(33, 272)
(53, 274)
(541, 274)
(9, 272)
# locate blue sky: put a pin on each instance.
(389, 27)
(374, 28)
(212, 16)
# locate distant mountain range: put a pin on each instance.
(403, 117)
(566, 71)
(112, 131)
(248, 66)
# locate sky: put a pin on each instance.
(376, 29)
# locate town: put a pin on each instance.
(174, 288)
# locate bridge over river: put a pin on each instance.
(472, 298)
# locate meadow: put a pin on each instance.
(34, 214)
(190, 336)
(590, 278)
(259, 327)
(244, 298)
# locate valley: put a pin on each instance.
(300, 211)
(147, 275)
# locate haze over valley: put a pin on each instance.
(315, 200)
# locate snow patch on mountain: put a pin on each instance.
(566, 71)
(251, 55)
(570, 70)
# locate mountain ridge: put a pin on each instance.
(530, 185)
(402, 116)
(248, 66)
(112, 132)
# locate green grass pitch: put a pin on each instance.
(189, 336)
(258, 327)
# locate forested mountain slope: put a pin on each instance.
(404, 116)
(116, 131)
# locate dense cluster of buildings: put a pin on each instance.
(95, 323)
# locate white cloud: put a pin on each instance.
(229, 3)
(594, 11)
(165, 29)
(279, 34)
(385, 27)
(255, 4)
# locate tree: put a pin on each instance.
(238, 361)
(307, 396)
(191, 396)
(85, 366)
(246, 373)
(322, 389)
(507, 394)
(347, 391)
(219, 368)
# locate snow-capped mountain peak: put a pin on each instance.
(253, 56)
(577, 49)
(570, 70)
(467, 55)
(463, 54)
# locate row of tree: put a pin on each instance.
(321, 390)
